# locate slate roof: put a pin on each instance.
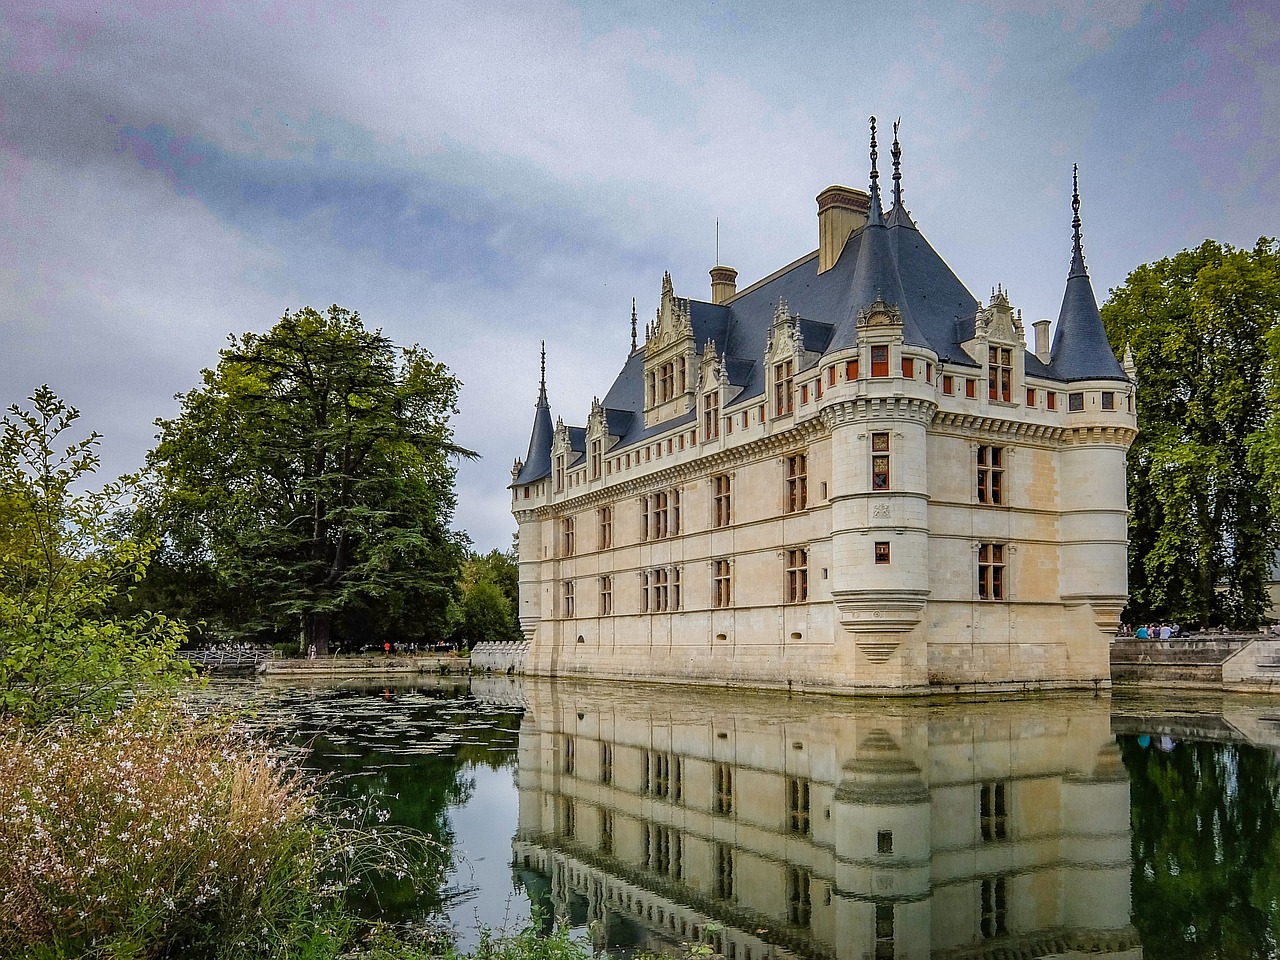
(887, 258)
(537, 463)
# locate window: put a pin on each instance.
(882, 552)
(831, 376)
(1075, 402)
(993, 811)
(606, 763)
(851, 369)
(1108, 400)
(684, 383)
(797, 483)
(721, 583)
(606, 832)
(948, 384)
(566, 537)
(724, 871)
(1000, 374)
(884, 842)
(559, 472)
(1031, 397)
(991, 474)
(664, 850)
(657, 781)
(569, 760)
(783, 384)
(666, 382)
(797, 575)
(569, 818)
(724, 789)
(596, 459)
(879, 361)
(566, 597)
(798, 806)
(884, 931)
(711, 416)
(804, 394)
(1050, 400)
(909, 368)
(799, 907)
(606, 596)
(994, 907)
(604, 528)
(928, 372)
(722, 500)
(971, 388)
(991, 571)
(660, 515)
(880, 461)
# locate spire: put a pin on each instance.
(537, 464)
(877, 215)
(1080, 347)
(1077, 248)
(898, 217)
(633, 325)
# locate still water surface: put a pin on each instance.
(829, 828)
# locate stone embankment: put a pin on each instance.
(1244, 662)
(366, 665)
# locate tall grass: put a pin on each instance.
(154, 835)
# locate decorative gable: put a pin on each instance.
(670, 356)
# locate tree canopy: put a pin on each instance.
(1203, 329)
(311, 476)
(63, 566)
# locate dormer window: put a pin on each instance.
(711, 416)
(596, 458)
(783, 385)
(880, 361)
(559, 473)
(1000, 374)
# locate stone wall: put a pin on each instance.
(506, 657)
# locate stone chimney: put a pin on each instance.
(841, 210)
(1042, 340)
(724, 283)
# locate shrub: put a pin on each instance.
(153, 835)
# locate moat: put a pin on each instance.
(769, 826)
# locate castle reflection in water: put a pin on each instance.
(773, 828)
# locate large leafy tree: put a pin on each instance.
(312, 475)
(1203, 527)
(490, 598)
(64, 652)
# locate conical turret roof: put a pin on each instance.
(1081, 350)
(537, 463)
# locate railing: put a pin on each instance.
(231, 658)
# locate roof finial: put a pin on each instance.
(897, 167)
(542, 389)
(633, 324)
(1077, 246)
(876, 216)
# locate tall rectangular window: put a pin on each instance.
(797, 482)
(570, 760)
(948, 384)
(1000, 374)
(597, 458)
(566, 598)
(660, 515)
(1050, 400)
(993, 811)
(721, 583)
(880, 461)
(1108, 400)
(797, 575)
(724, 871)
(604, 517)
(566, 537)
(798, 806)
(711, 416)
(783, 386)
(1031, 396)
(606, 832)
(880, 361)
(724, 789)
(991, 571)
(606, 763)
(908, 368)
(606, 595)
(657, 781)
(970, 388)
(559, 473)
(990, 474)
(995, 909)
(722, 500)
(884, 931)
(799, 907)
(851, 369)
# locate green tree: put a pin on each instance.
(313, 474)
(1202, 526)
(62, 566)
(490, 598)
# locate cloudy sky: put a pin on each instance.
(476, 177)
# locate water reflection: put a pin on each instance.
(835, 829)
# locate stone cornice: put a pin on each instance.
(1110, 434)
(699, 467)
(962, 423)
(859, 409)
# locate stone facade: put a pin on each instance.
(774, 827)
(851, 475)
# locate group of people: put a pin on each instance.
(1156, 631)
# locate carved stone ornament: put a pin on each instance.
(881, 511)
(880, 314)
(673, 321)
